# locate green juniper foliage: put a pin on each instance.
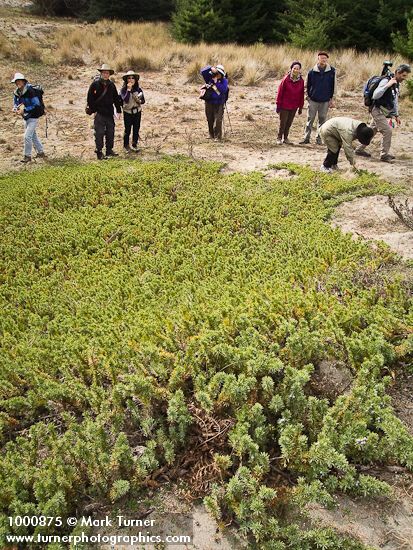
(132, 292)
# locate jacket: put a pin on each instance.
(104, 106)
(387, 99)
(132, 100)
(221, 95)
(339, 132)
(27, 97)
(321, 85)
(290, 94)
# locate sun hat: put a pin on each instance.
(130, 73)
(220, 69)
(364, 133)
(106, 67)
(18, 76)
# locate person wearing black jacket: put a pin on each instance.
(101, 98)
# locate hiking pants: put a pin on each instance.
(131, 121)
(331, 158)
(104, 127)
(286, 119)
(31, 138)
(380, 123)
(315, 108)
(214, 114)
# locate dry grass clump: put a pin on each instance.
(149, 46)
(71, 56)
(5, 47)
(28, 50)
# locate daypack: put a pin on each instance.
(369, 89)
(38, 92)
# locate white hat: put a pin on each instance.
(18, 76)
(130, 73)
(106, 67)
(220, 69)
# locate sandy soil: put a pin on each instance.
(174, 122)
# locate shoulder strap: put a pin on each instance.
(102, 95)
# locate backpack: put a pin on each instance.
(369, 89)
(38, 92)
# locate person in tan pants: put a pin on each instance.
(385, 107)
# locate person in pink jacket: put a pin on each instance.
(290, 97)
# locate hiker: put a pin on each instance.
(385, 107)
(102, 97)
(290, 97)
(340, 132)
(133, 99)
(321, 87)
(29, 105)
(216, 94)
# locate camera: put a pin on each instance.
(386, 69)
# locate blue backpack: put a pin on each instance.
(369, 89)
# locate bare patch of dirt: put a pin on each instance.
(374, 522)
(402, 396)
(331, 379)
(372, 218)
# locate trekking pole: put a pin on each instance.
(229, 120)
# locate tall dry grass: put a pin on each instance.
(149, 46)
(5, 46)
(28, 50)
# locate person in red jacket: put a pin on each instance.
(290, 97)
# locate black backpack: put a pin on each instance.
(369, 89)
(38, 91)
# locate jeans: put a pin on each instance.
(31, 138)
(315, 108)
(132, 122)
(104, 127)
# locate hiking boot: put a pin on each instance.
(135, 147)
(387, 158)
(363, 153)
(127, 149)
(279, 141)
(26, 159)
(41, 155)
(99, 155)
(305, 141)
(111, 154)
(325, 169)
(334, 168)
(288, 142)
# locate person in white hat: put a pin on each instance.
(102, 97)
(216, 82)
(28, 104)
(133, 99)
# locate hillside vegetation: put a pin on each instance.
(161, 315)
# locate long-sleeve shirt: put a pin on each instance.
(339, 132)
(391, 107)
(132, 99)
(290, 94)
(104, 105)
(321, 84)
(220, 96)
(31, 102)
